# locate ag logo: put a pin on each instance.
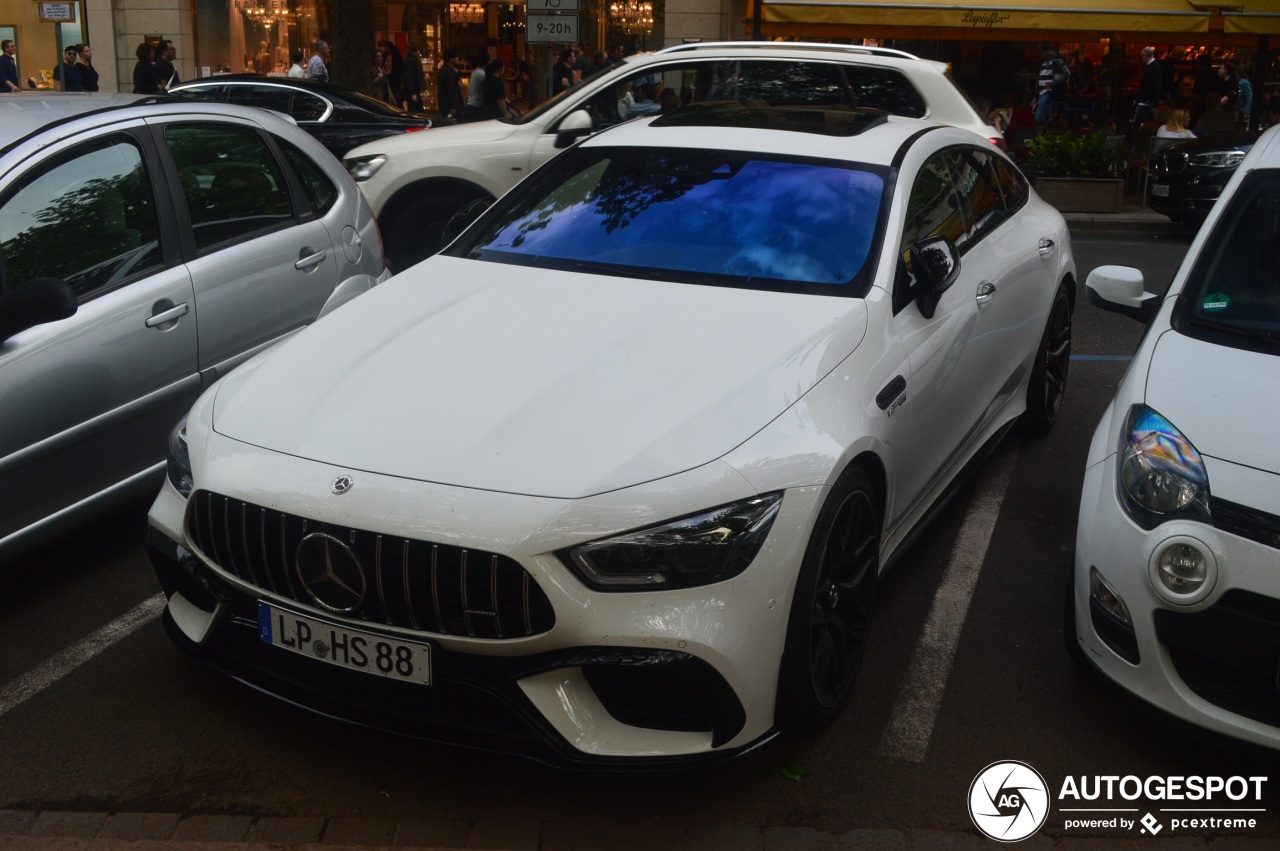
(1008, 801)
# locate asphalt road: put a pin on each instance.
(132, 725)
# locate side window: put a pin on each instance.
(884, 89)
(233, 187)
(89, 218)
(787, 84)
(976, 180)
(308, 107)
(203, 93)
(933, 209)
(275, 98)
(1012, 184)
(319, 189)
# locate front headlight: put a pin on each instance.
(1218, 159)
(178, 467)
(1161, 474)
(696, 550)
(363, 168)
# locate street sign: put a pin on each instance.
(551, 5)
(551, 29)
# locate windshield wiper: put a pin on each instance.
(621, 271)
(1260, 335)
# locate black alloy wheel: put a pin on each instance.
(1048, 383)
(831, 614)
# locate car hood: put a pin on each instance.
(1225, 142)
(439, 135)
(1211, 394)
(536, 382)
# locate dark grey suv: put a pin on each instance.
(1188, 177)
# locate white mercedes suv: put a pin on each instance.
(417, 183)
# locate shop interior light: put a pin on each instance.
(466, 13)
(632, 16)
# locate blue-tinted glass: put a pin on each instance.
(698, 212)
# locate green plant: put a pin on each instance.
(1057, 153)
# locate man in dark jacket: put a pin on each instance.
(449, 88)
(66, 76)
(8, 68)
(1144, 107)
(166, 74)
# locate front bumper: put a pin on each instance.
(1189, 196)
(646, 679)
(1213, 662)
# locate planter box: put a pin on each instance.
(1082, 194)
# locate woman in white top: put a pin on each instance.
(1175, 126)
(296, 70)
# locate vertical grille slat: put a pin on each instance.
(442, 587)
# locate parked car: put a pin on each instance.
(416, 184)
(145, 249)
(1175, 594)
(1187, 178)
(341, 119)
(616, 473)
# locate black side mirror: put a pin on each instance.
(935, 262)
(35, 302)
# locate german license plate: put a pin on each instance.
(348, 648)
(1160, 189)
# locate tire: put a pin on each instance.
(831, 612)
(418, 230)
(1048, 382)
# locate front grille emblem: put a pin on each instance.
(331, 573)
(342, 484)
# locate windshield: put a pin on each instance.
(1232, 296)
(695, 216)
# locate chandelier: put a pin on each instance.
(266, 13)
(632, 16)
(466, 13)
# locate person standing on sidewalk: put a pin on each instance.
(316, 67)
(1144, 106)
(449, 88)
(1051, 83)
(66, 77)
(84, 64)
(8, 68)
(166, 74)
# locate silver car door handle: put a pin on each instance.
(1046, 246)
(986, 292)
(309, 260)
(169, 315)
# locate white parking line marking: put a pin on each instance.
(56, 667)
(915, 712)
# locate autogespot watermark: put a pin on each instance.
(1010, 801)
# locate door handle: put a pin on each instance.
(891, 394)
(986, 292)
(306, 259)
(1046, 246)
(166, 312)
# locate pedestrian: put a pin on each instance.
(297, 70)
(1144, 105)
(1051, 83)
(395, 72)
(475, 89)
(1244, 98)
(84, 64)
(494, 104)
(381, 88)
(318, 64)
(449, 88)
(8, 67)
(581, 62)
(562, 72)
(144, 72)
(166, 73)
(66, 77)
(413, 80)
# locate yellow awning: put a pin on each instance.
(1255, 18)
(1162, 16)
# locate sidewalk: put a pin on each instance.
(1132, 218)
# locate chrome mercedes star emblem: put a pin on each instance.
(331, 573)
(342, 484)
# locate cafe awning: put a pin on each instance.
(1257, 18)
(1155, 16)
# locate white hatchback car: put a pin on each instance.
(618, 470)
(417, 183)
(1175, 593)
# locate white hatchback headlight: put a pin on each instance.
(1161, 475)
(696, 550)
